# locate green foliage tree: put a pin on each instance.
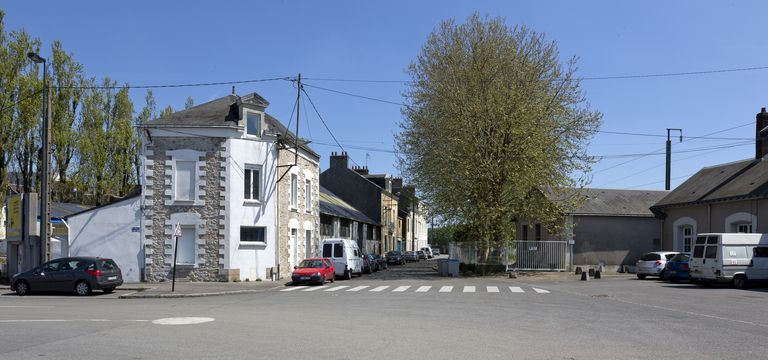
(167, 111)
(189, 103)
(496, 128)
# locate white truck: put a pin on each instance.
(729, 257)
(345, 255)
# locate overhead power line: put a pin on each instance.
(158, 86)
(324, 124)
(356, 95)
(663, 136)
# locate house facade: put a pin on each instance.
(373, 201)
(298, 204)
(730, 197)
(341, 220)
(612, 227)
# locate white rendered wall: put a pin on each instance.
(111, 232)
(252, 259)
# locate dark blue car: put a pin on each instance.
(677, 268)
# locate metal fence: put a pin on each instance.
(519, 255)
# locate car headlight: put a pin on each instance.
(316, 274)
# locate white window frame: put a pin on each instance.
(260, 130)
(254, 242)
(688, 236)
(294, 190)
(747, 227)
(253, 169)
(308, 196)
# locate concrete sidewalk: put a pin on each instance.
(187, 289)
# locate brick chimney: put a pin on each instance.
(397, 183)
(362, 170)
(339, 160)
(761, 134)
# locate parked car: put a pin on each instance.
(427, 251)
(382, 261)
(80, 275)
(421, 254)
(677, 268)
(396, 257)
(345, 255)
(313, 271)
(652, 264)
(435, 252)
(367, 264)
(374, 263)
(411, 256)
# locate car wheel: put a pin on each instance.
(82, 288)
(739, 281)
(108, 290)
(663, 275)
(348, 275)
(333, 278)
(674, 279)
(641, 276)
(22, 288)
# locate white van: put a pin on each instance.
(729, 257)
(427, 250)
(345, 255)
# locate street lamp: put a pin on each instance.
(45, 199)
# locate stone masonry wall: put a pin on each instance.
(285, 213)
(208, 207)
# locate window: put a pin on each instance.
(687, 238)
(525, 232)
(744, 228)
(537, 231)
(252, 234)
(760, 251)
(294, 191)
(650, 257)
(51, 266)
(327, 248)
(710, 252)
(344, 228)
(252, 184)
(698, 251)
(308, 196)
(254, 123)
(338, 250)
(185, 180)
(701, 240)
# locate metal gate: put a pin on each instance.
(540, 255)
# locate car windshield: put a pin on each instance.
(107, 264)
(311, 264)
(680, 257)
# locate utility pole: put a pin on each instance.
(45, 200)
(669, 156)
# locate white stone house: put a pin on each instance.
(212, 169)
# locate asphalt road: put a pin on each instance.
(377, 317)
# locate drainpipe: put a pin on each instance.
(277, 217)
(709, 218)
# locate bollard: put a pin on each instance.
(591, 272)
(578, 270)
(584, 277)
(597, 274)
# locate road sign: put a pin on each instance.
(177, 230)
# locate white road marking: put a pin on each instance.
(314, 288)
(423, 288)
(295, 288)
(401, 288)
(492, 289)
(182, 321)
(469, 289)
(541, 291)
(337, 288)
(63, 320)
(379, 288)
(516, 289)
(25, 306)
(446, 289)
(358, 288)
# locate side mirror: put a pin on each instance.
(295, 267)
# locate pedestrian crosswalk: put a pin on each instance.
(418, 289)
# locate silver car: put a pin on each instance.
(653, 263)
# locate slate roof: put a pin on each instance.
(736, 180)
(331, 204)
(616, 202)
(62, 210)
(224, 112)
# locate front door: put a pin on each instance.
(186, 253)
(293, 241)
(308, 243)
(760, 263)
(46, 280)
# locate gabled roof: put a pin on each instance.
(616, 202)
(740, 179)
(224, 112)
(330, 204)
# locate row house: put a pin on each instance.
(338, 219)
(238, 190)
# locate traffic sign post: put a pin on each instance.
(176, 235)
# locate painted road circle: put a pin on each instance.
(182, 321)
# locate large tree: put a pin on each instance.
(495, 127)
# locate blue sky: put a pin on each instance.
(172, 42)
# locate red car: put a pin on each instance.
(313, 271)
